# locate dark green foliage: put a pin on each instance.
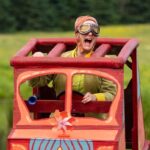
(49, 15)
(134, 11)
(104, 11)
(33, 15)
(7, 20)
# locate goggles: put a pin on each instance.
(87, 28)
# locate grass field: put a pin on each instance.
(11, 43)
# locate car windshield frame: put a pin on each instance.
(69, 72)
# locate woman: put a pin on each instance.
(92, 87)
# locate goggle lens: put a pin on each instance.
(96, 29)
(84, 28)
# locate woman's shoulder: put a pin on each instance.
(68, 54)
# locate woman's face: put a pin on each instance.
(86, 42)
(86, 36)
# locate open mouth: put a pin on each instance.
(88, 41)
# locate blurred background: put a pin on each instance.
(21, 20)
(50, 15)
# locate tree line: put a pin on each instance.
(50, 15)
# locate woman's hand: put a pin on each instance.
(88, 97)
(38, 54)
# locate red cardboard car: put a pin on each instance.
(123, 128)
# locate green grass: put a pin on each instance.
(11, 43)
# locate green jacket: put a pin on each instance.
(91, 83)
